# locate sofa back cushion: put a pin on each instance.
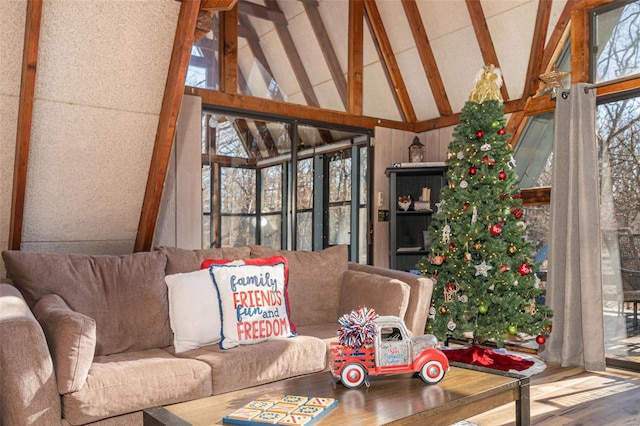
(315, 278)
(181, 260)
(125, 295)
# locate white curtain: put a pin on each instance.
(574, 287)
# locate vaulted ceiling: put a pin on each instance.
(414, 61)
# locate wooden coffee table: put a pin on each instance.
(397, 400)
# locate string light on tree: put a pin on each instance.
(480, 260)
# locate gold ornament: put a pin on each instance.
(442, 310)
(487, 85)
(552, 80)
(512, 250)
(477, 246)
(452, 185)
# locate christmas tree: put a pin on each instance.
(480, 260)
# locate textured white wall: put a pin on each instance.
(102, 68)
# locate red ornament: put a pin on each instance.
(437, 260)
(490, 161)
(524, 269)
(452, 246)
(495, 229)
(502, 175)
(517, 195)
(502, 131)
(505, 268)
(517, 213)
(473, 170)
(479, 134)
(549, 328)
(541, 339)
(465, 206)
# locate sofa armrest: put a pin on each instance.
(419, 296)
(28, 389)
(388, 296)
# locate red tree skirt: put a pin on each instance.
(475, 355)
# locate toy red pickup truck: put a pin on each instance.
(394, 351)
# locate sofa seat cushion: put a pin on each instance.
(125, 295)
(181, 260)
(252, 365)
(123, 383)
(315, 278)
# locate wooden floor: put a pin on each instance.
(571, 396)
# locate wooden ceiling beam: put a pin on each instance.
(453, 119)
(554, 46)
(427, 58)
(258, 11)
(171, 101)
(355, 56)
(217, 4)
(329, 53)
(228, 51)
(485, 42)
(391, 68)
(535, 66)
(25, 116)
(294, 57)
(269, 106)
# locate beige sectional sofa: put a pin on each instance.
(88, 339)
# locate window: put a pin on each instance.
(616, 41)
(251, 181)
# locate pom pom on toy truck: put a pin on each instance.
(389, 349)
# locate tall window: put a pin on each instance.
(259, 188)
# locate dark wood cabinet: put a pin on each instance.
(406, 228)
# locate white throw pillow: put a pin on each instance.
(194, 310)
(253, 301)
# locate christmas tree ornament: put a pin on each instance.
(479, 134)
(517, 196)
(512, 250)
(467, 256)
(477, 245)
(450, 290)
(465, 206)
(437, 260)
(541, 340)
(521, 225)
(495, 124)
(505, 268)
(451, 325)
(460, 155)
(464, 184)
(442, 310)
(483, 269)
(473, 170)
(502, 131)
(502, 175)
(485, 147)
(495, 229)
(517, 213)
(446, 234)
(524, 269)
(549, 328)
(474, 215)
(503, 196)
(452, 185)
(512, 162)
(512, 329)
(483, 309)
(432, 312)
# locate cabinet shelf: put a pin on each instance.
(406, 228)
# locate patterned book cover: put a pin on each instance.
(281, 410)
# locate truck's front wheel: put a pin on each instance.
(353, 375)
(432, 372)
